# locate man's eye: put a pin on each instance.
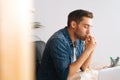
(85, 26)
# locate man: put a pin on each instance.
(69, 49)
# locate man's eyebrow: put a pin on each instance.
(88, 25)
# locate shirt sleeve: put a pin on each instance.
(60, 55)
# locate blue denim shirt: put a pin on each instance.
(58, 55)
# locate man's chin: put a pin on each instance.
(82, 38)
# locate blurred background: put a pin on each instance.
(53, 16)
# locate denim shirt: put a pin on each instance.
(58, 55)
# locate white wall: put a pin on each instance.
(53, 15)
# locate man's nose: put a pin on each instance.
(88, 31)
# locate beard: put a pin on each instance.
(80, 36)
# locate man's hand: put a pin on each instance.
(90, 43)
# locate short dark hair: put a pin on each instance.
(77, 16)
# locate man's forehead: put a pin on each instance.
(87, 20)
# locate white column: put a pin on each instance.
(16, 53)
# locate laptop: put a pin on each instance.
(109, 73)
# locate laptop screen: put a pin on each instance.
(109, 73)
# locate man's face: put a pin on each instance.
(82, 29)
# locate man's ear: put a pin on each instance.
(73, 24)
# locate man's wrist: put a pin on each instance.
(81, 69)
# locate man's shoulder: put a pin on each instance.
(58, 37)
(59, 34)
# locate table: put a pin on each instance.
(91, 74)
(87, 75)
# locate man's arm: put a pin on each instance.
(87, 62)
(89, 47)
(60, 56)
(77, 64)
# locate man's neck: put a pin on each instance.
(71, 33)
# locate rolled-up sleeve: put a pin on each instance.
(60, 54)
